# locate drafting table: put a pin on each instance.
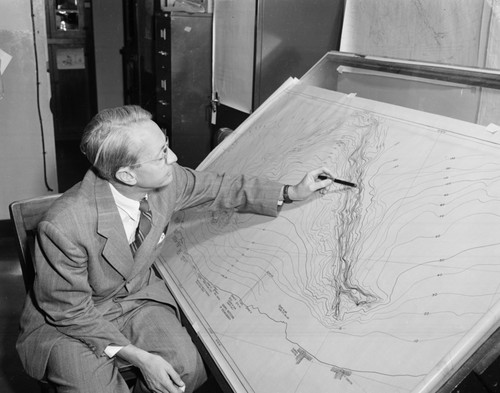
(390, 287)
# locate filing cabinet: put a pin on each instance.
(183, 63)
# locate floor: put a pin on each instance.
(12, 377)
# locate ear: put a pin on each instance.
(127, 176)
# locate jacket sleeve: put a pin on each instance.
(214, 191)
(63, 292)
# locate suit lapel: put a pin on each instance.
(116, 249)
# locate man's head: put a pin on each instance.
(125, 145)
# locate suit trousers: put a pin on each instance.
(151, 326)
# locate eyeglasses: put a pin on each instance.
(164, 154)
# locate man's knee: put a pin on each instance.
(156, 329)
(73, 367)
(194, 373)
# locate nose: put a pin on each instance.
(170, 157)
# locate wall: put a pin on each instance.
(22, 172)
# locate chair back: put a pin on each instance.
(26, 215)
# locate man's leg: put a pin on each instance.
(154, 327)
(73, 368)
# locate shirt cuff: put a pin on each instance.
(112, 350)
(280, 198)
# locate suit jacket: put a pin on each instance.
(84, 264)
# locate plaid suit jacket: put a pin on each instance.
(84, 265)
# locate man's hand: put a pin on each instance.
(159, 374)
(310, 184)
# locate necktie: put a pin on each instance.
(144, 225)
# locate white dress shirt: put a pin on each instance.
(130, 215)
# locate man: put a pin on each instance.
(96, 299)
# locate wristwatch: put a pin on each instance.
(286, 197)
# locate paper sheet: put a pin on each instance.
(443, 31)
(233, 52)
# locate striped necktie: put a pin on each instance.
(144, 225)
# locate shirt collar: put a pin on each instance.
(126, 205)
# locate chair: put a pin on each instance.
(25, 216)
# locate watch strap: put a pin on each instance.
(286, 197)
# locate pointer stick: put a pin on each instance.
(343, 182)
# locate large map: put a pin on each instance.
(363, 289)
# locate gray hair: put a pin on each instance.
(107, 139)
